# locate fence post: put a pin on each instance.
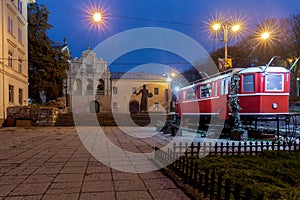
(222, 146)
(256, 147)
(186, 149)
(192, 149)
(245, 148)
(251, 148)
(261, 146)
(180, 148)
(206, 186)
(200, 184)
(195, 176)
(186, 174)
(198, 149)
(216, 148)
(267, 145)
(248, 194)
(191, 166)
(239, 148)
(237, 191)
(227, 189)
(212, 184)
(219, 186)
(227, 148)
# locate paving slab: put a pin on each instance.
(53, 163)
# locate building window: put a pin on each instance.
(134, 90)
(20, 6)
(115, 105)
(20, 96)
(89, 68)
(20, 66)
(11, 94)
(20, 35)
(10, 25)
(115, 90)
(156, 91)
(10, 58)
(89, 87)
(248, 83)
(100, 87)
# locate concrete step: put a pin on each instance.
(110, 119)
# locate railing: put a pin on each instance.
(208, 182)
(233, 148)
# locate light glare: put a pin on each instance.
(216, 26)
(97, 16)
(265, 35)
(235, 27)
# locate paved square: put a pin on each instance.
(52, 163)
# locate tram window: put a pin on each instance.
(248, 83)
(205, 90)
(222, 87)
(216, 89)
(274, 82)
(190, 93)
(226, 86)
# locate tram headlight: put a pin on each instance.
(274, 105)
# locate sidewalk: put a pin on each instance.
(52, 163)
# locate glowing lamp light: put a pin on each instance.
(265, 35)
(216, 26)
(177, 89)
(235, 27)
(173, 74)
(97, 17)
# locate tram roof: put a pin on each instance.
(228, 73)
(261, 69)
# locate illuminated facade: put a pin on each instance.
(13, 54)
(98, 90)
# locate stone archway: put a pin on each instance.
(94, 107)
(134, 107)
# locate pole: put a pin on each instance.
(225, 27)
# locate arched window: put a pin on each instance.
(78, 87)
(89, 87)
(100, 87)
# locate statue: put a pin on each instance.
(144, 99)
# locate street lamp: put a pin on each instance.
(226, 28)
(265, 36)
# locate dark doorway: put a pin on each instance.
(134, 107)
(94, 107)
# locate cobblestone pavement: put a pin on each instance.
(51, 163)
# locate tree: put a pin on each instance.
(47, 64)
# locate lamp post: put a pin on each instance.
(226, 28)
(264, 37)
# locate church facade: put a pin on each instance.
(93, 88)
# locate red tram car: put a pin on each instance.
(262, 90)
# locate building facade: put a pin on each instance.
(13, 54)
(92, 88)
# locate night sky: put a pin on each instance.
(190, 17)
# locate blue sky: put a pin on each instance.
(69, 21)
